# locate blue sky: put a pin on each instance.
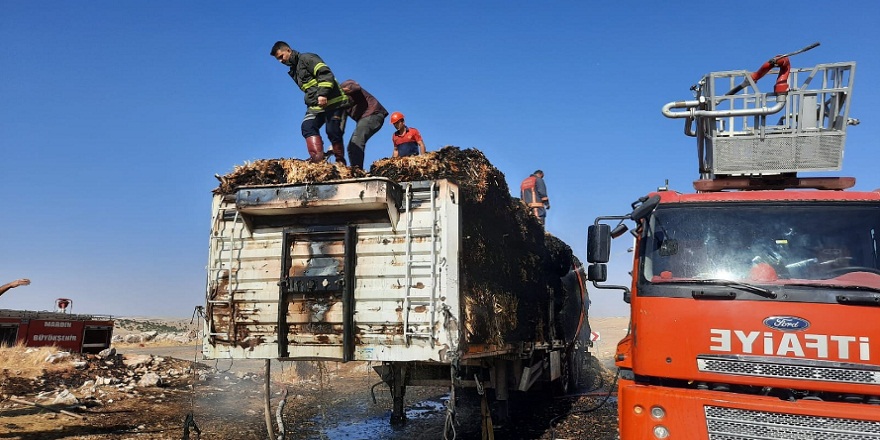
(115, 116)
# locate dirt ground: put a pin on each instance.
(324, 401)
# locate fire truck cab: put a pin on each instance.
(754, 300)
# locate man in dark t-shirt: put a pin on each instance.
(370, 116)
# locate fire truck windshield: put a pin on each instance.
(821, 244)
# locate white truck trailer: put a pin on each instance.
(370, 269)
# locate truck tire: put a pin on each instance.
(577, 372)
(580, 367)
(562, 385)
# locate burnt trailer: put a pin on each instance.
(71, 332)
(370, 269)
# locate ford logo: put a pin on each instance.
(787, 323)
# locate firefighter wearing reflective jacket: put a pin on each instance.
(323, 97)
(533, 193)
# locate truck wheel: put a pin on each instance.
(577, 371)
(563, 383)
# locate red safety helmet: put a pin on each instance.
(396, 116)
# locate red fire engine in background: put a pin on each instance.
(65, 330)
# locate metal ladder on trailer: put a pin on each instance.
(224, 241)
(411, 297)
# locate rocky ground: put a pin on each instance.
(155, 331)
(147, 396)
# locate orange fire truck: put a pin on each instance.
(754, 301)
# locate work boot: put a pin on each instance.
(356, 155)
(315, 145)
(339, 152)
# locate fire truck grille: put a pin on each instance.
(737, 424)
(809, 370)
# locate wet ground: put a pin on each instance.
(225, 401)
(341, 406)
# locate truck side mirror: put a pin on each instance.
(597, 273)
(598, 243)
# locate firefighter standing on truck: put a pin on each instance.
(323, 97)
(533, 193)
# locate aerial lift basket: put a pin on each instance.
(742, 130)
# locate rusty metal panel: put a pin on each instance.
(367, 194)
(381, 285)
(313, 292)
(244, 318)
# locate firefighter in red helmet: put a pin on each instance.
(407, 140)
(533, 193)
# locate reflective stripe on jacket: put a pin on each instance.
(533, 192)
(316, 79)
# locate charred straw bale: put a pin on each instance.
(510, 269)
(281, 171)
(567, 283)
(469, 168)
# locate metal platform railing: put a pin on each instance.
(742, 130)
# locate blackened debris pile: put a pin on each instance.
(511, 270)
(281, 171)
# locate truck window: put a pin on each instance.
(780, 243)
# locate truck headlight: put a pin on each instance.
(660, 431)
(658, 412)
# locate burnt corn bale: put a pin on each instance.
(281, 171)
(510, 268)
(569, 291)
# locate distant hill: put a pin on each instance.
(134, 324)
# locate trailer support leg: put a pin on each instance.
(487, 430)
(398, 390)
(499, 375)
(267, 403)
